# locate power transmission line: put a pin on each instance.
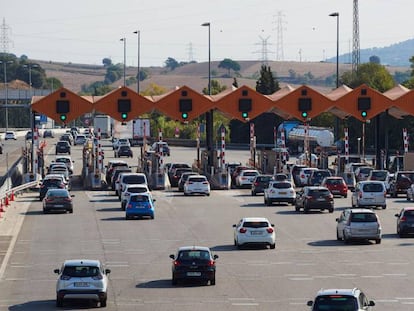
(190, 50)
(279, 31)
(264, 51)
(4, 36)
(355, 39)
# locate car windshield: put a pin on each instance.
(250, 173)
(334, 181)
(194, 254)
(409, 213)
(409, 176)
(197, 179)
(58, 193)
(124, 148)
(373, 188)
(379, 175)
(80, 271)
(263, 178)
(363, 217)
(255, 224)
(63, 160)
(335, 303)
(282, 185)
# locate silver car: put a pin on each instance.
(370, 193)
(82, 279)
(358, 224)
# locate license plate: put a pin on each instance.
(321, 199)
(81, 284)
(282, 193)
(193, 273)
(58, 205)
(256, 233)
(335, 191)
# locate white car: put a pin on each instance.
(67, 160)
(82, 279)
(120, 142)
(279, 191)
(304, 175)
(254, 230)
(197, 184)
(10, 135)
(246, 178)
(130, 189)
(369, 193)
(127, 179)
(80, 140)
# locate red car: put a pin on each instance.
(336, 185)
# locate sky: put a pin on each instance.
(89, 30)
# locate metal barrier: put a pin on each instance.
(15, 190)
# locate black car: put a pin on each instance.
(194, 263)
(57, 200)
(111, 167)
(50, 184)
(314, 197)
(123, 151)
(28, 135)
(401, 182)
(183, 179)
(260, 183)
(177, 175)
(316, 177)
(62, 147)
(48, 133)
(405, 222)
(67, 137)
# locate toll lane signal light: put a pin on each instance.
(184, 115)
(63, 117)
(124, 116)
(304, 114)
(364, 114)
(245, 115)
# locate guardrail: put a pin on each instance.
(18, 189)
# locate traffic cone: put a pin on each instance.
(1, 206)
(12, 196)
(6, 200)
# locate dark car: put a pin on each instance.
(110, 169)
(194, 263)
(62, 147)
(401, 182)
(50, 184)
(48, 133)
(123, 151)
(118, 170)
(67, 137)
(316, 177)
(350, 180)
(57, 200)
(177, 175)
(405, 221)
(314, 197)
(260, 183)
(173, 167)
(28, 135)
(183, 179)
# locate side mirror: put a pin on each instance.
(72, 195)
(397, 215)
(154, 200)
(337, 219)
(107, 271)
(310, 303)
(57, 271)
(215, 257)
(234, 226)
(172, 256)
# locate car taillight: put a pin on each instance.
(211, 263)
(302, 176)
(385, 194)
(97, 277)
(243, 230)
(360, 194)
(309, 197)
(129, 205)
(177, 263)
(68, 199)
(61, 186)
(256, 183)
(403, 219)
(190, 182)
(205, 182)
(48, 200)
(269, 230)
(65, 277)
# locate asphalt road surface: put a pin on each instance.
(307, 256)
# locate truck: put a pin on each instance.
(134, 130)
(102, 123)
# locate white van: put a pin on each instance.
(369, 193)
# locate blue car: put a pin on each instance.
(140, 205)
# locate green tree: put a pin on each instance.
(267, 83)
(374, 75)
(374, 59)
(113, 73)
(53, 83)
(107, 62)
(143, 74)
(229, 64)
(216, 88)
(171, 63)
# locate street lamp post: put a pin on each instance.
(138, 33)
(7, 90)
(124, 40)
(336, 14)
(209, 114)
(359, 147)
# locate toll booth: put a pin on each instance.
(92, 176)
(152, 167)
(272, 161)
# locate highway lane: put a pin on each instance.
(307, 255)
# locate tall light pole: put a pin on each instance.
(336, 14)
(138, 33)
(209, 114)
(30, 66)
(7, 91)
(124, 40)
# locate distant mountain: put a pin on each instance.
(397, 54)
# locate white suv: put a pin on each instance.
(130, 189)
(128, 179)
(341, 299)
(82, 279)
(369, 193)
(279, 191)
(254, 230)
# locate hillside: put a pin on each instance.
(195, 75)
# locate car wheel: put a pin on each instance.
(394, 194)
(345, 238)
(272, 246)
(338, 238)
(384, 206)
(103, 303)
(123, 206)
(331, 210)
(174, 281)
(253, 193)
(59, 302)
(378, 241)
(152, 216)
(185, 193)
(71, 211)
(297, 208)
(268, 203)
(126, 217)
(213, 281)
(345, 196)
(235, 243)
